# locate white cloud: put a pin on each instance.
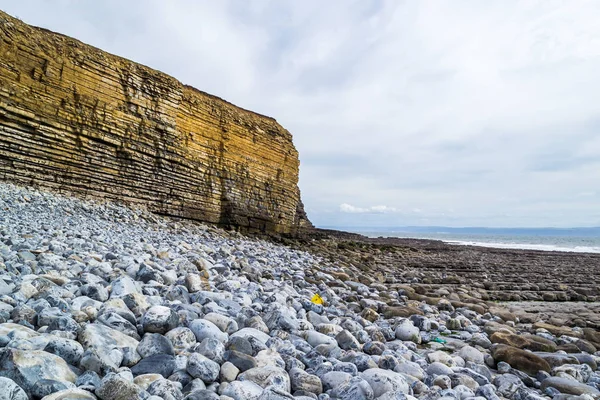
(489, 109)
(348, 208)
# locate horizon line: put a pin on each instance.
(455, 227)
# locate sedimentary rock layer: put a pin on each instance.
(77, 119)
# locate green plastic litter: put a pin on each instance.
(439, 340)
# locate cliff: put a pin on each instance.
(77, 119)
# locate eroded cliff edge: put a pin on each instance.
(77, 119)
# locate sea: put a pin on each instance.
(583, 240)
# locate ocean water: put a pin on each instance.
(584, 240)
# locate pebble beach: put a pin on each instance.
(102, 301)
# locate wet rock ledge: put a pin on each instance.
(433, 267)
(100, 301)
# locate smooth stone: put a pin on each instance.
(181, 338)
(315, 339)
(407, 332)
(165, 389)
(23, 332)
(558, 359)
(268, 376)
(464, 380)
(522, 360)
(10, 390)
(269, 357)
(303, 381)
(411, 369)
(273, 393)
(119, 323)
(334, 379)
(240, 344)
(441, 357)
(242, 361)
(224, 323)
(477, 377)
(28, 367)
(354, 389)
(402, 396)
(45, 387)
(205, 394)
(524, 341)
(570, 386)
(212, 349)
(238, 390)
(162, 364)
(69, 350)
(203, 329)
(587, 359)
(89, 379)
(463, 392)
(123, 286)
(115, 387)
(437, 368)
(383, 381)
(347, 341)
(247, 333)
(153, 344)
(103, 340)
(202, 367)
(69, 394)
(146, 380)
(557, 330)
(469, 353)
(229, 372)
(159, 319)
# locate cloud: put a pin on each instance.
(347, 208)
(489, 109)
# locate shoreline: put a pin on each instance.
(489, 273)
(499, 245)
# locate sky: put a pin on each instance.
(434, 112)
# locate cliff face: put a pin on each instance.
(77, 119)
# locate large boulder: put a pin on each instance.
(22, 331)
(529, 342)
(101, 336)
(557, 359)
(519, 359)
(557, 330)
(26, 368)
(106, 349)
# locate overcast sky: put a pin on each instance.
(455, 113)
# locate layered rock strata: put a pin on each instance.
(77, 119)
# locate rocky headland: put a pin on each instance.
(77, 119)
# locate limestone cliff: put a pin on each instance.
(77, 119)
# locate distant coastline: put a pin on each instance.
(581, 240)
